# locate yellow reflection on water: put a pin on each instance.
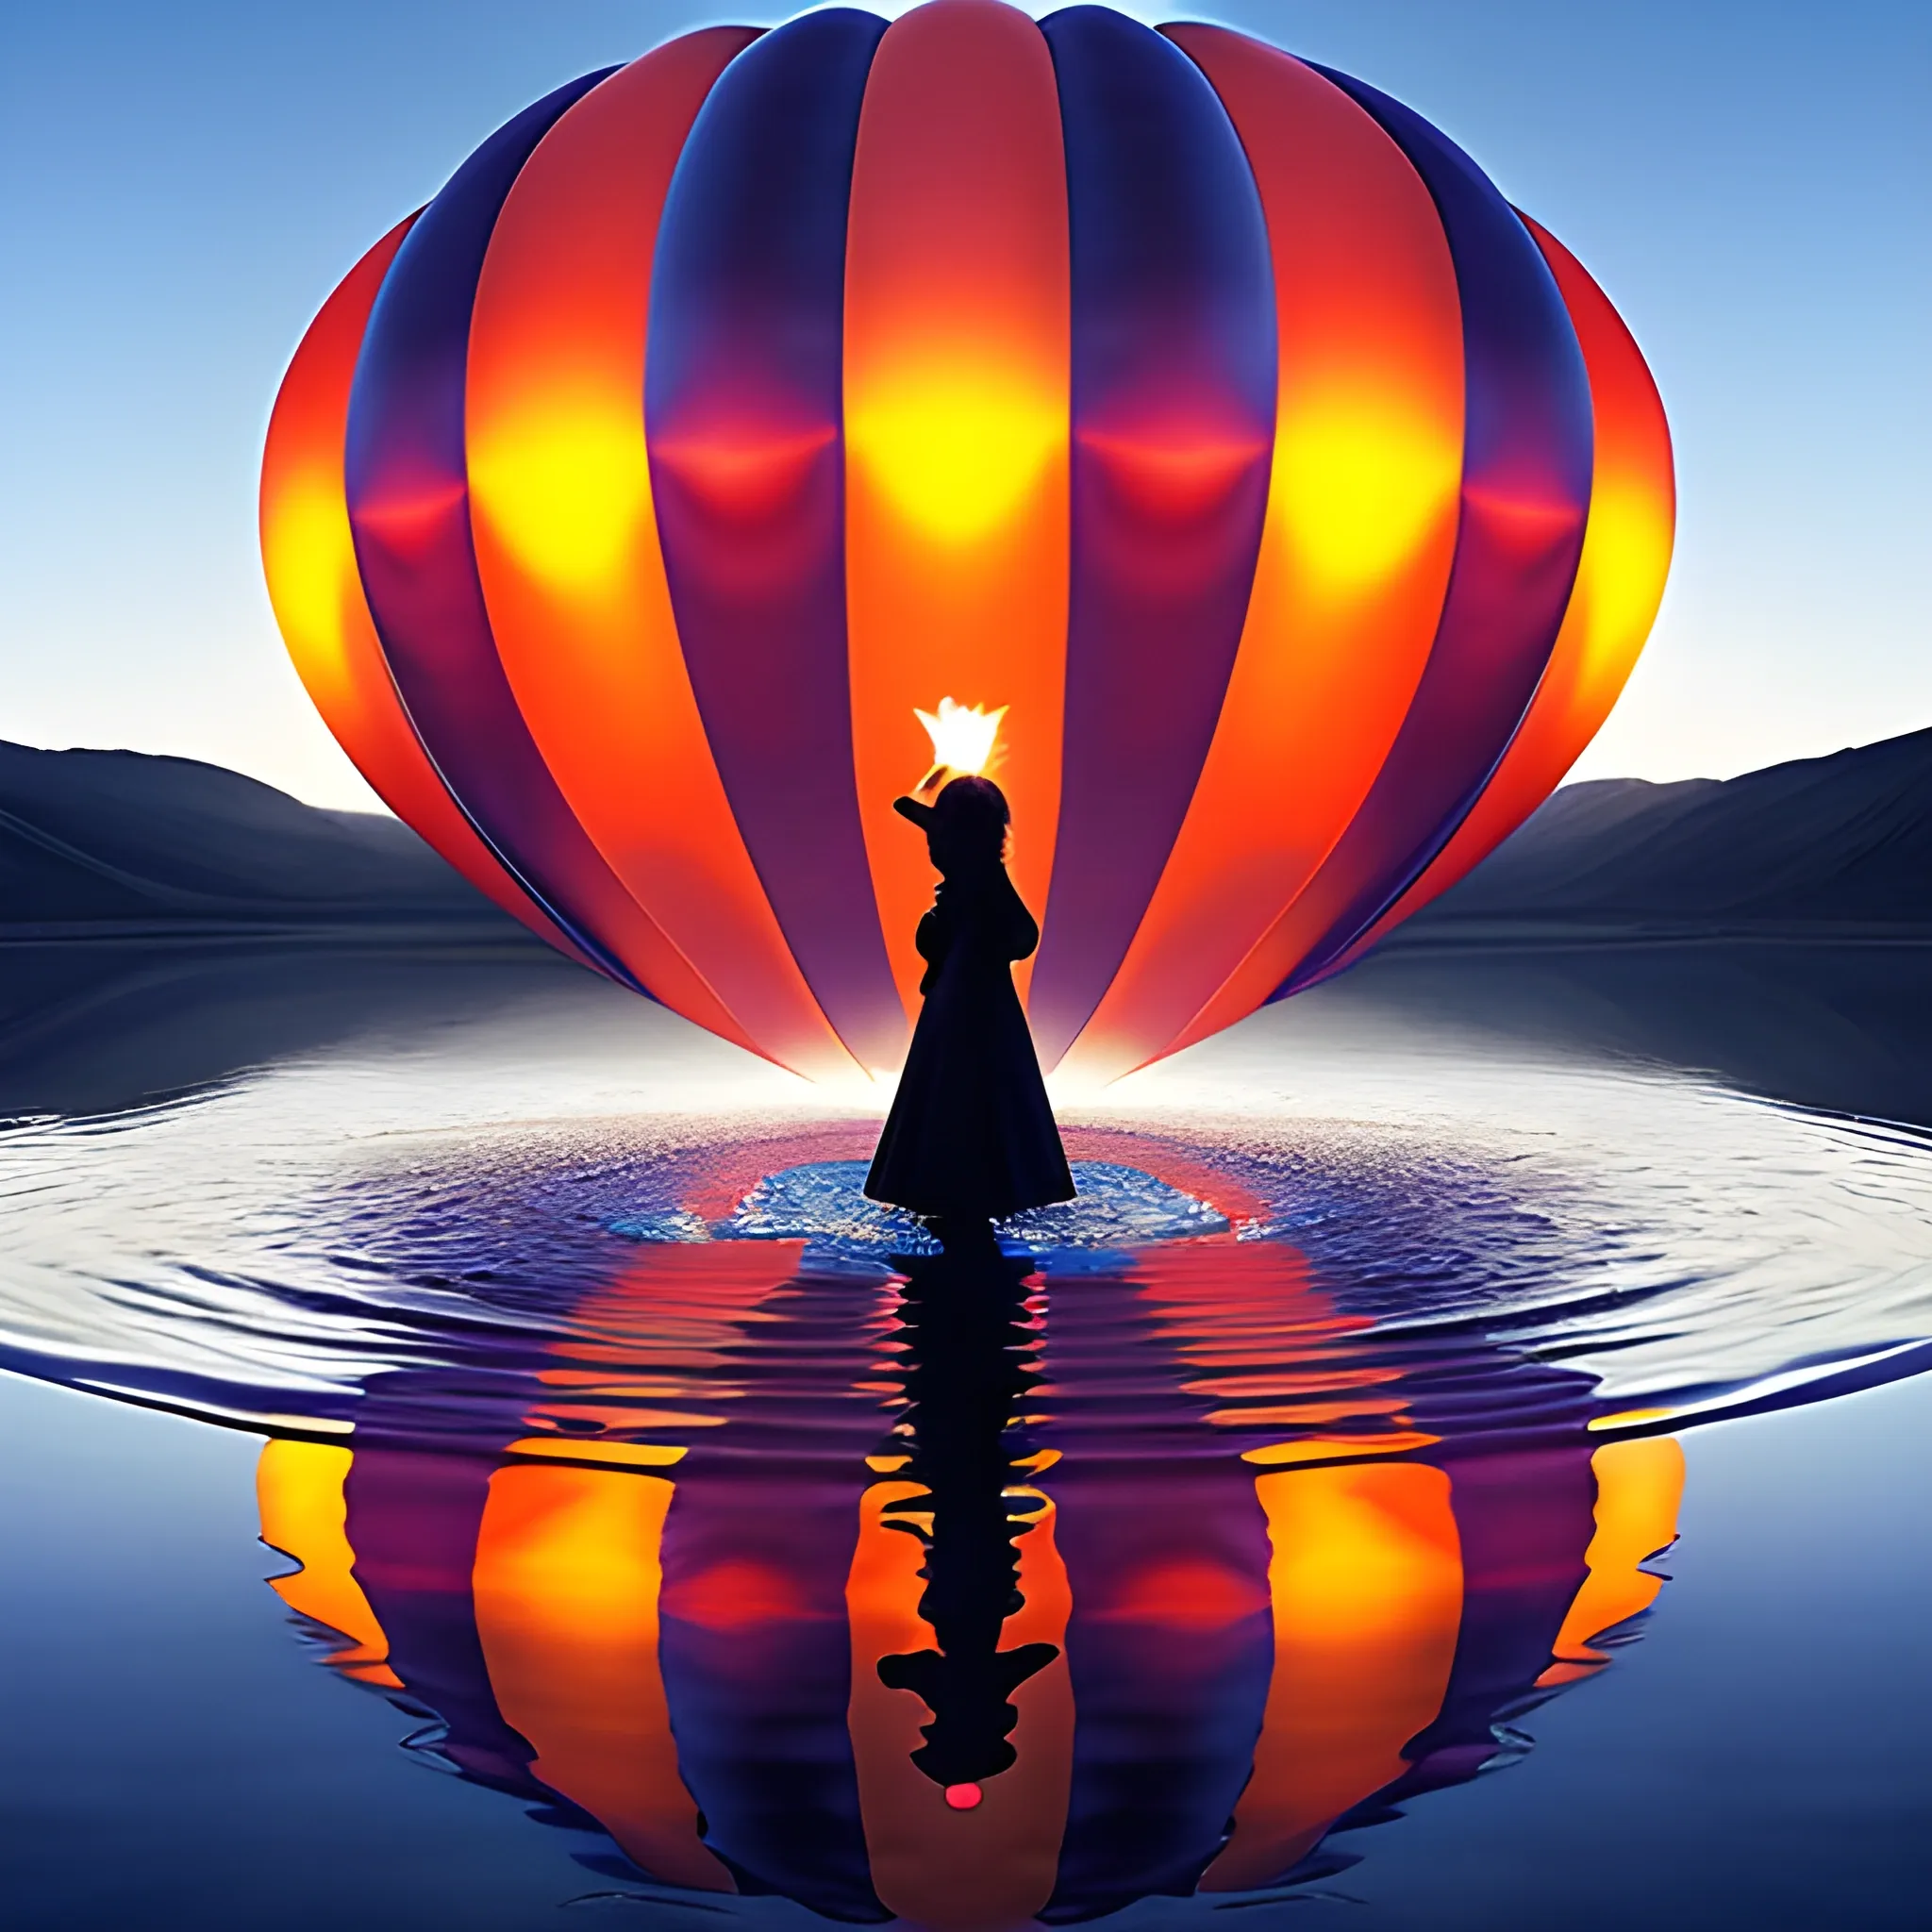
(1366, 1580)
(298, 1489)
(1639, 1487)
(566, 1585)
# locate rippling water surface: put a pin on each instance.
(781, 1560)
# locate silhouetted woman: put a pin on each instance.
(971, 1136)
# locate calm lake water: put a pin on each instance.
(471, 1458)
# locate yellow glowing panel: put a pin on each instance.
(565, 487)
(955, 448)
(1360, 488)
(1629, 539)
(310, 564)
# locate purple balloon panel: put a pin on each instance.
(744, 389)
(1174, 390)
(409, 510)
(1526, 498)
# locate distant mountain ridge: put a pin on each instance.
(98, 840)
(1839, 840)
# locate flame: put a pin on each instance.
(962, 738)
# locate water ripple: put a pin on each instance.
(1337, 1252)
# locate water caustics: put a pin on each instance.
(1302, 506)
(739, 1528)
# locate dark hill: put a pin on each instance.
(1837, 841)
(94, 840)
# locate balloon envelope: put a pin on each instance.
(1302, 505)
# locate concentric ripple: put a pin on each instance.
(594, 1249)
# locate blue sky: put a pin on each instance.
(1751, 183)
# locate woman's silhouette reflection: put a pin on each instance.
(968, 1343)
(970, 1137)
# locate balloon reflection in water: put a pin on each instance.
(1130, 1546)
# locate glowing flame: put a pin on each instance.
(962, 740)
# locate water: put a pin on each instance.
(735, 1549)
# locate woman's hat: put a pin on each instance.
(960, 801)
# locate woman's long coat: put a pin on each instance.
(971, 1133)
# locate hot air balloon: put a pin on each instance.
(1188, 434)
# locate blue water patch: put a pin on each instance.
(823, 1204)
(678, 1224)
(1118, 1207)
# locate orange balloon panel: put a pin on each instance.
(957, 419)
(309, 558)
(1620, 583)
(567, 542)
(1355, 549)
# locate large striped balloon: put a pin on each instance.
(1304, 506)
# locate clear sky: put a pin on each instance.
(183, 183)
